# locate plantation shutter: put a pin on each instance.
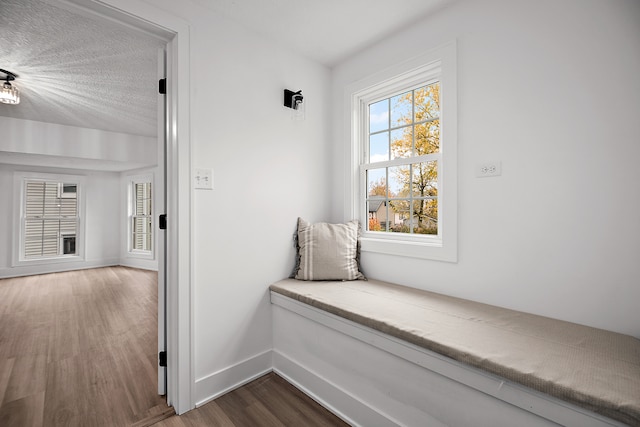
(141, 220)
(51, 217)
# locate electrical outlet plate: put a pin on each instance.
(203, 179)
(489, 169)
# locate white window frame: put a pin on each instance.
(20, 179)
(436, 65)
(132, 181)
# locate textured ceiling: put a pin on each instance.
(80, 70)
(77, 70)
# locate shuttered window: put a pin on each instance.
(141, 228)
(50, 219)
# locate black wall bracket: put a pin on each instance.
(292, 99)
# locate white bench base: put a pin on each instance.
(369, 378)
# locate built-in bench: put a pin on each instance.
(560, 372)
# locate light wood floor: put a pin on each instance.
(79, 348)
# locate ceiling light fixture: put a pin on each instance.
(9, 94)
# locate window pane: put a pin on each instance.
(379, 116)
(141, 225)
(379, 147)
(45, 237)
(141, 236)
(424, 181)
(69, 189)
(142, 194)
(68, 207)
(69, 245)
(401, 109)
(399, 181)
(425, 215)
(427, 101)
(400, 220)
(377, 182)
(143, 207)
(428, 138)
(51, 200)
(50, 245)
(34, 199)
(402, 142)
(142, 241)
(68, 226)
(33, 238)
(50, 237)
(377, 212)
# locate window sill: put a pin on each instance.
(434, 249)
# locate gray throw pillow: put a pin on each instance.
(328, 251)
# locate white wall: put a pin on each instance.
(268, 170)
(551, 90)
(102, 221)
(48, 144)
(32, 146)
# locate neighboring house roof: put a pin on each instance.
(374, 205)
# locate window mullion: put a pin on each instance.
(413, 123)
(402, 161)
(411, 198)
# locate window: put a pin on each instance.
(401, 162)
(141, 216)
(404, 152)
(50, 219)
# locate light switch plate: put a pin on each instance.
(203, 179)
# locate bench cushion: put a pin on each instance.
(596, 369)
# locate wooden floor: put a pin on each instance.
(79, 348)
(267, 401)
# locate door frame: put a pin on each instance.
(161, 208)
(179, 298)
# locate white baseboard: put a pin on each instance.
(151, 265)
(32, 270)
(225, 380)
(327, 394)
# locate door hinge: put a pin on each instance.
(162, 222)
(162, 359)
(162, 86)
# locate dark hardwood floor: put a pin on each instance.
(79, 349)
(269, 401)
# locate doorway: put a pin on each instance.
(179, 342)
(146, 17)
